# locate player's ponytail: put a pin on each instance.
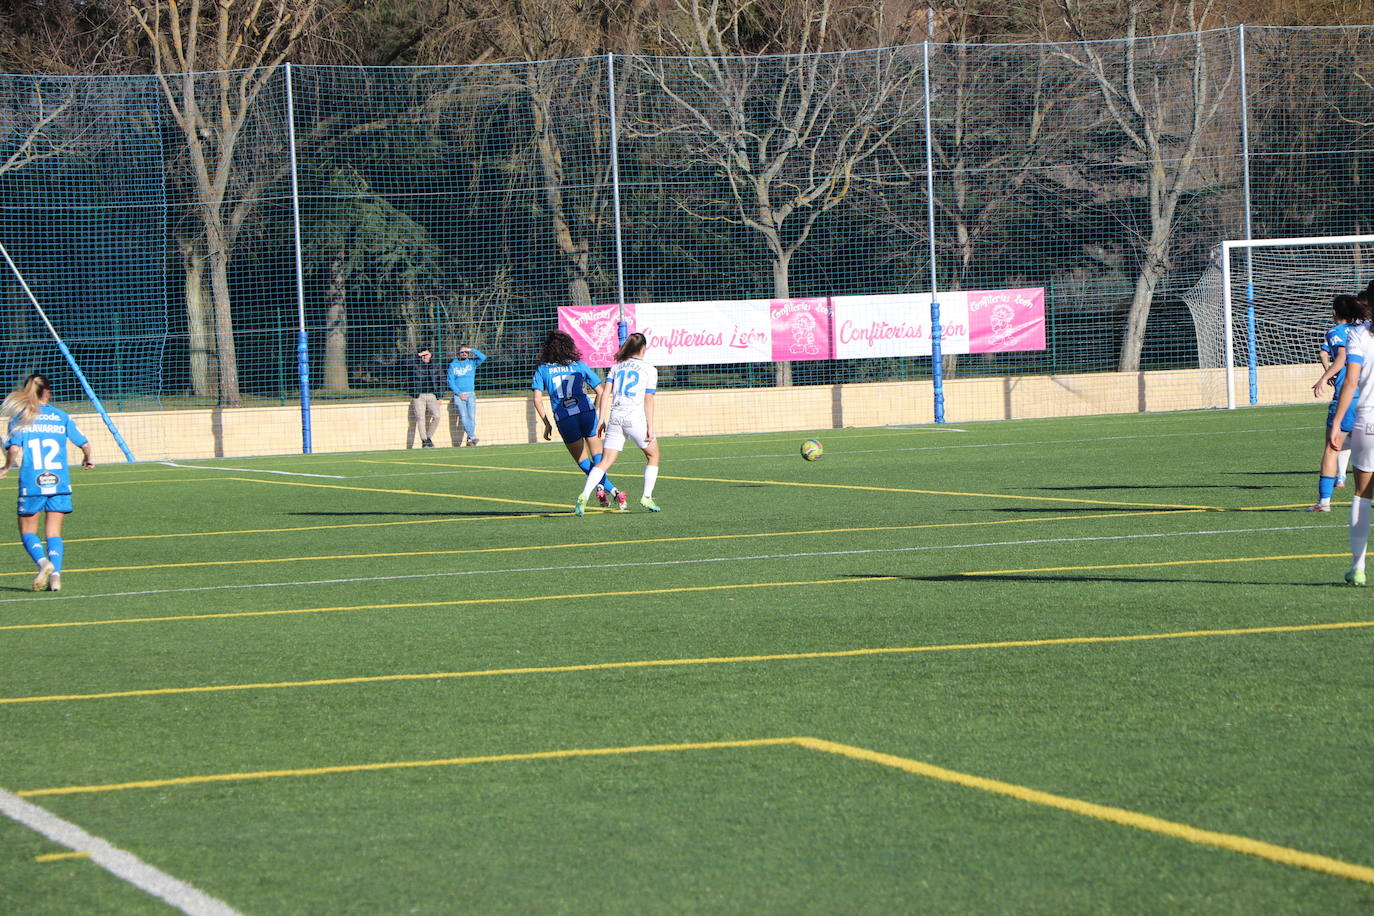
(632, 347)
(26, 401)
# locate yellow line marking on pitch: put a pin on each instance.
(406, 764)
(1120, 816)
(682, 662)
(224, 615)
(580, 544)
(1295, 556)
(836, 486)
(60, 856)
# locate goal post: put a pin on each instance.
(1279, 292)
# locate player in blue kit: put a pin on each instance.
(565, 378)
(1349, 312)
(37, 442)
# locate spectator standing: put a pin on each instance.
(462, 373)
(426, 383)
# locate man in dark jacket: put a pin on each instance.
(427, 381)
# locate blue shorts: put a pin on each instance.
(32, 505)
(577, 427)
(1347, 421)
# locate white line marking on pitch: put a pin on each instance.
(841, 450)
(651, 563)
(116, 861)
(209, 467)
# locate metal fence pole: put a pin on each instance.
(302, 343)
(936, 368)
(1250, 333)
(622, 329)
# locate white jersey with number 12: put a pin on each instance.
(630, 382)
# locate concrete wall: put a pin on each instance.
(205, 433)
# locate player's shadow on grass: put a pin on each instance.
(1125, 580)
(1154, 486)
(1057, 510)
(504, 513)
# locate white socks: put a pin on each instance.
(1359, 531)
(1342, 462)
(650, 478)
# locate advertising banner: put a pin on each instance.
(836, 327)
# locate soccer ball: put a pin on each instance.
(812, 450)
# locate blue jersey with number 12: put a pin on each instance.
(566, 386)
(43, 444)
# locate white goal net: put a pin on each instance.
(1267, 303)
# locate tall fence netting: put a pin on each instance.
(462, 206)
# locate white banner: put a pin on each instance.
(898, 325)
(696, 333)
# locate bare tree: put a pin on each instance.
(243, 43)
(1163, 97)
(782, 140)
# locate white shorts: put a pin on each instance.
(634, 427)
(1361, 443)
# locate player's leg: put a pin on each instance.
(598, 473)
(650, 476)
(597, 447)
(52, 531)
(28, 536)
(1343, 453)
(1326, 481)
(1362, 457)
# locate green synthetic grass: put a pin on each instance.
(741, 612)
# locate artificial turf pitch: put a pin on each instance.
(1087, 665)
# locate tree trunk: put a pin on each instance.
(1151, 272)
(336, 328)
(225, 349)
(200, 331)
(781, 263)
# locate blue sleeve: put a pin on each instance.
(539, 383)
(76, 435)
(593, 380)
(1355, 358)
(479, 356)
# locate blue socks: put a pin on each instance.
(1325, 487)
(34, 546)
(586, 464)
(55, 553)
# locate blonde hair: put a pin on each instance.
(26, 401)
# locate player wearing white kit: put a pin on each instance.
(633, 383)
(1359, 383)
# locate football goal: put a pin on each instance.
(1267, 302)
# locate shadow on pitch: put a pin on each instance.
(502, 514)
(1125, 580)
(1160, 486)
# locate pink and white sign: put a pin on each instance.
(1004, 320)
(838, 327)
(593, 329)
(801, 329)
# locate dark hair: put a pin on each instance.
(632, 347)
(421, 349)
(1350, 309)
(559, 348)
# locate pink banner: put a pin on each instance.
(1004, 320)
(838, 327)
(593, 329)
(802, 329)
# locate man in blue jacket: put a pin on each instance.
(461, 374)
